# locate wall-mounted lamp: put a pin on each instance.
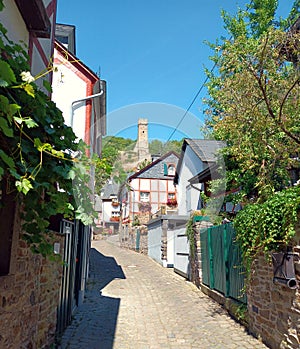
(284, 270)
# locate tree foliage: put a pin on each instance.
(254, 99)
(158, 147)
(111, 164)
(253, 105)
(110, 161)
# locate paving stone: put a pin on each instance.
(134, 303)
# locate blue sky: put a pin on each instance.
(152, 55)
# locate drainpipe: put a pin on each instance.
(84, 244)
(82, 100)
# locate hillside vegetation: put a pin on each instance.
(115, 147)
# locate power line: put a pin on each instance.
(191, 104)
(201, 88)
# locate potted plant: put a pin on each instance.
(172, 202)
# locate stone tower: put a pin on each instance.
(142, 144)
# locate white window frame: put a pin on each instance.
(144, 196)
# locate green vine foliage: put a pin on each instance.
(41, 163)
(191, 236)
(268, 226)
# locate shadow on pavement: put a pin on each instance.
(104, 269)
(101, 311)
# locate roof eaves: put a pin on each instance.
(72, 59)
(35, 17)
(136, 174)
(205, 174)
(183, 147)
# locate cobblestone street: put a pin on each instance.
(134, 303)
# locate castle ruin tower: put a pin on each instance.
(142, 144)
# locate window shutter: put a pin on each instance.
(165, 169)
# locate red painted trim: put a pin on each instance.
(88, 114)
(51, 8)
(73, 60)
(62, 60)
(41, 52)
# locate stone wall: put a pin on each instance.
(128, 239)
(28, 299)
(196, 267)
(274, 309)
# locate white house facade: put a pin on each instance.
(196, 156)
(72, 83)
(149, 189)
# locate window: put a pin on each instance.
(171, 170)
(171, 201)
(144, 196)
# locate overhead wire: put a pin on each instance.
(191, 104)
(199, 90)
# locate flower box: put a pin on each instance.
(114, 219)
(172, 202)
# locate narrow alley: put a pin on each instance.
(134, 303)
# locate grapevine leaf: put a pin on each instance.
(24, 185)
(71, 174)
(7, 76)
(5, 128)
(47, 85)
(18, 120)
(38, 144)
(7, 159)
(13, 108)
(29, 89)
(30, 123)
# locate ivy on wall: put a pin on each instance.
(270, 225)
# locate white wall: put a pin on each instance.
(181, 252)
(170, 248)
(135, 183)
(108, 208)
(154, 241)
(191, 165)
(68, 87)
(11, 19)
(159, 193)
(145, 184)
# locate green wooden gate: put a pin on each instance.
(221, 260)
